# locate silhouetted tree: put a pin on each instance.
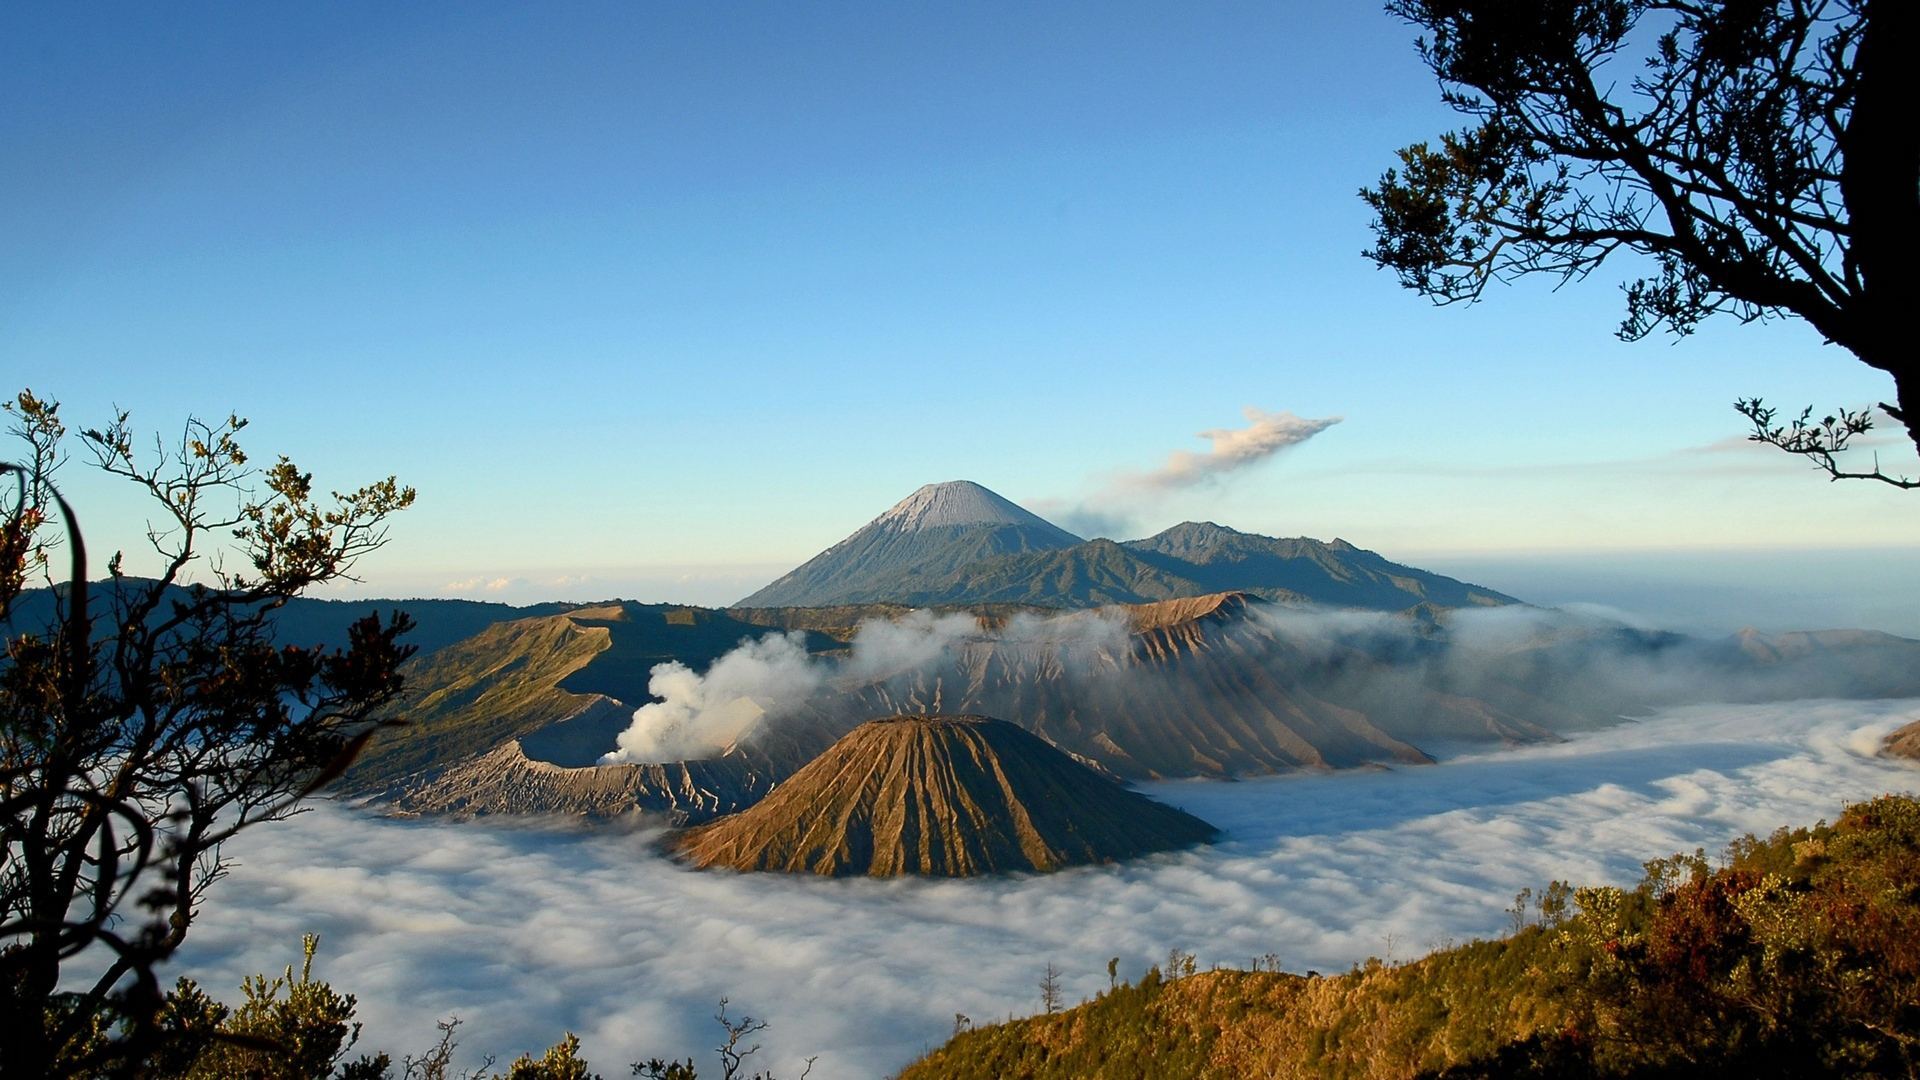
(1762, 153)
(1050, 989)
(149, 720)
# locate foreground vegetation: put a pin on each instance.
(1798, 955)
(297, 1027)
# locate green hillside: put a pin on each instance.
(1795, 956)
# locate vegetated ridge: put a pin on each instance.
(949, 796)
(1796, 956)
(958, 543)
(563, 682)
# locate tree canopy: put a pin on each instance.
(1761, 153)
(150, 719)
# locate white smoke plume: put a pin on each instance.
(702, 715)
(761, 680)
(1266, 434)
(885, 647)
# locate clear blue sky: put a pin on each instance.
(659, 299)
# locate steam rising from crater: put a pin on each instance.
(1508, 673)
(765, 679)
(702, 715)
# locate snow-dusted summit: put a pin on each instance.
(961, 502)
(958, 543)
(928, 537)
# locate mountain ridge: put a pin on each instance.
(959, 543)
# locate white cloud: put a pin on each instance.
(702, 715)
(528, 931)
(1116, 509)
(1266, 434)
(496, 584)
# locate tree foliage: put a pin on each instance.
(1797, 955)
(150, 720)
(1760, 153)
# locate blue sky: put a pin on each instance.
(657, 300)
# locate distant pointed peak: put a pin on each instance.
(957, 502)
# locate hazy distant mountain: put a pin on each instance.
(949, 796)
(305, 620)
(958, 543)
(1218, 559)
(925, 537)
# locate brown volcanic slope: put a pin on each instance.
(1200, 686)
(512, 719)
(948, 796)
(1905, 742)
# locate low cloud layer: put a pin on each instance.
(526, 932)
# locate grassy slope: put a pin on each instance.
(1798, 956)
(469, 697)
(516, 677)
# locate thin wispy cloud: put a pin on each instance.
(481, 584)
(1132, 497)
(1233, 449)
(529, 931)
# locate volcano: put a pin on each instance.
(959, 544)
(929, 535)
(940, 796)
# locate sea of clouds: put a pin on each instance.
(527, 931)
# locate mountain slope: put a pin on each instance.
(518, 678)
(958, 543)
(1793, 958)
(1193, 687)
(945, 796)
(1092, 574)
(927, 535)
(1336, 574)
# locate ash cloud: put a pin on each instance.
(526, 932)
